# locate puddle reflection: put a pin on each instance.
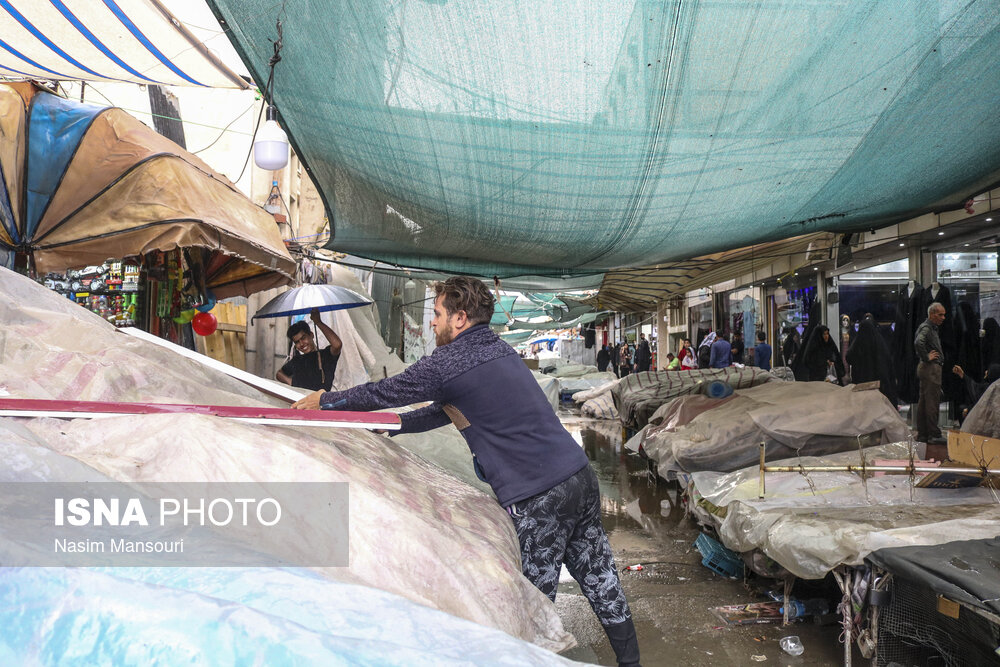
(631, 496)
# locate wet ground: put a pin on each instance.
(672, 597)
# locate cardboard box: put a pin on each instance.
(531, 363)
(974, 450)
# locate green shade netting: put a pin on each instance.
(558, 138)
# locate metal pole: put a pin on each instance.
(760, 486)
(903, 470)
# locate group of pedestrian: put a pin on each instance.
(623, 359)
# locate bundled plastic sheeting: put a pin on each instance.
(232, 616)
(639, 395)
(984, 418)
(452, 548)
(598, 402)
(571, 370)
(811, 418)
(811, 523)
(584, 382)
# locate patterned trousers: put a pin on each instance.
(563, 524)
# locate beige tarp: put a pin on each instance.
(127, 191)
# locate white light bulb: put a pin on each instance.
(270, 148)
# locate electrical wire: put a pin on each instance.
(224, 130)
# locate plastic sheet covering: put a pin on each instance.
(232, 616)
(984, 417)
(964, 571)
(452, 548)
(593, 135)
(573, 370)
(550, 385)
(597, 402)
(584, 382)
(639, 395)
(811, 523)
(783, 373)
(699, 433)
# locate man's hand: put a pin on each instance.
(310, 402)
(957, 370)
(932, 355)
(315, 316)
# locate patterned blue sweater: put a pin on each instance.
(520, 447)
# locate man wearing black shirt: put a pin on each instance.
(311, 368)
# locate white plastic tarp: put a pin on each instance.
(452, 547)
(695, 433)
(811, 523)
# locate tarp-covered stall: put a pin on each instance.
(415, 531)
(82, 183)
(695, 432)
(813, 522)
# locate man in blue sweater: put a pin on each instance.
(539, 474)
(721, 352)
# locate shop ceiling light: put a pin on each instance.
(940, 233)
(901, 245)
(989, 219)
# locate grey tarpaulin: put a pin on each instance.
(966, 571)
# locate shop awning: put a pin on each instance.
(640, 289)
(510, 138)
(82, 183)
(135, 41)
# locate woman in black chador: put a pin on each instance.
(822, 353)
(870, 360)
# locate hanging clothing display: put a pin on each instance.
(871, 360)
(967, 339)
(990, 344)
(910, 312)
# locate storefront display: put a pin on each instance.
(111, 290)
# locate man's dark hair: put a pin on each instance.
(761, 336)
(720, 333)
(299, 327)
(468, 294)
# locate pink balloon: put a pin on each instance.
(204, 324)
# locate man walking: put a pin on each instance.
(927, 345)
(539, 474)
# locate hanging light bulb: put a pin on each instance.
(270, 148)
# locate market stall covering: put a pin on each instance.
(83, 183)
(696, 432)
(813, 522)
(984, 417)
(597, 402)
(639, 395)
(939, 603)
(452, 548)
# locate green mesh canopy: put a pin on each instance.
(558, 138)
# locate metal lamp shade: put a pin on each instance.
(302, 300)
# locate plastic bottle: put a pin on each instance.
(812, 607)
(273, 204)
(792, 645)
